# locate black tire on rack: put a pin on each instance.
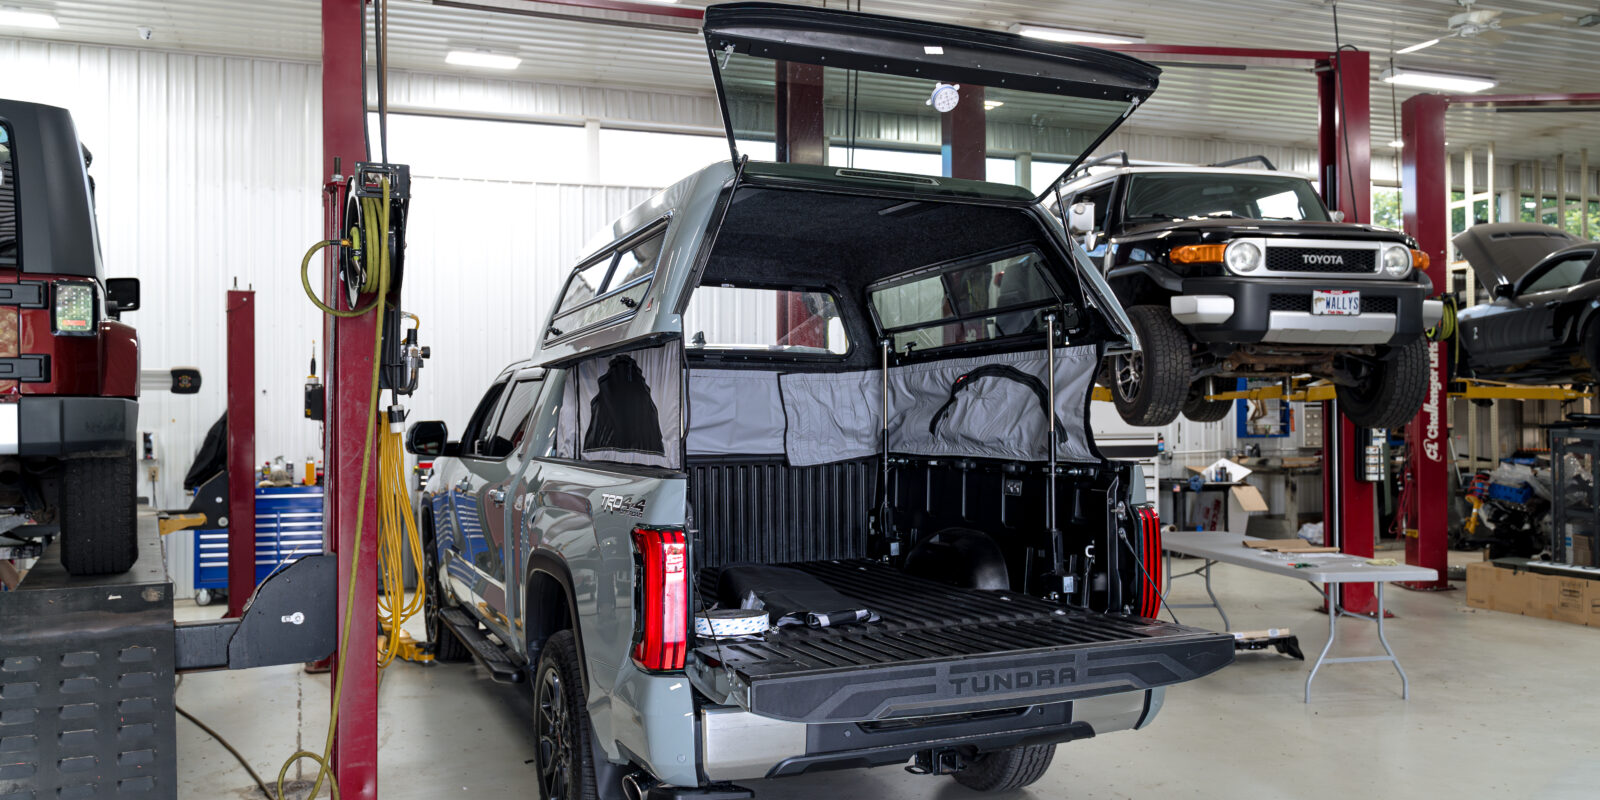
(446, 647)
(97, 508)
(1198, 409)
(1006, 770)
(1149, 387)
(1390, 392)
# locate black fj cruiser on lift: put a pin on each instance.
(1229, 272)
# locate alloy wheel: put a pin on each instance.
(556, 757)
(1128, 371)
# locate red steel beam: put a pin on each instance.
(241, 435)
(964, 136)
(348, 355)
(1553, 99)
(654, 9)
(1344, 147)
(799, 124)
(1422, 204)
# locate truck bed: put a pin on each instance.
(941, 649)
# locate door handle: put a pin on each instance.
(497, 496)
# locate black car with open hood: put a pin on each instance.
(1539, 325)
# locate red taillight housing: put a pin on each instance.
(1150, 555)
(663, 599)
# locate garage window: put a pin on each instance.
(611, 284)
(8, 201)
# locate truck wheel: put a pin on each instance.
(96, 506)
(561, 723)
(1391, 392)
(1008, 769)
(1198, 409)
(1149, 387)
(446, 647)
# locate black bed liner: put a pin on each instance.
(941, 649)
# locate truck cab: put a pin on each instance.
(844, 408)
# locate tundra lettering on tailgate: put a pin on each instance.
(1004, 680)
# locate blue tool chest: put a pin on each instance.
(288, 526)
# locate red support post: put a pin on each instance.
(241, 449)
(965, 136)
(348, 355)
(1345, 154)
(1422, 203)
(800, 119)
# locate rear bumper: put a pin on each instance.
(737, 745)
(1278, 311)
(67, 426)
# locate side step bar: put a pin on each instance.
(501, 668)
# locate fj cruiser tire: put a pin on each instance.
(99, 530)
(561, 723)
(1008, 769)
(1198, 409)
(1393, 391)
(446, 647)
(1150, 387)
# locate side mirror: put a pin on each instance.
(123, 293)
(1080, 218)
(1501, 291)
(429, 438)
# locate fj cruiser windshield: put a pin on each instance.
(892, 90)
(1181, 196)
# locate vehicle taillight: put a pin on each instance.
(74, 308)
(664, 599)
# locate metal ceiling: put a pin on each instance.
(567, 44)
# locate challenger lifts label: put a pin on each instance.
(1430, 439)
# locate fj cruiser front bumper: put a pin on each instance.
(1278, 311)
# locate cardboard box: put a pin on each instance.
(1582, 550)
(1572, 602)
(1480, 584)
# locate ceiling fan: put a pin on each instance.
(1482, 25)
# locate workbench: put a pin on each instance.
(1329, 569)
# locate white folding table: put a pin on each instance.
(1330, 568)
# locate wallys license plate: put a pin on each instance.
(1336, 302)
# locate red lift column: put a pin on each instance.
(1422, 204)
(241, 435)
(348, 355)
(1344, 145)
(801, 139)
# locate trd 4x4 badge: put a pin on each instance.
(622, 504)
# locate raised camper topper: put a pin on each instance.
(853, 401)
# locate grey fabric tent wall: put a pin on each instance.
(626, 408)
(830, 417)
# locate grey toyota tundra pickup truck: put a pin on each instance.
(799, 476)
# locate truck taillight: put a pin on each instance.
(74, 307)
(664, 599)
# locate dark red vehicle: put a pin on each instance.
(69, 368)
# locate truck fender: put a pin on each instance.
(547, 578)
(1151, 271)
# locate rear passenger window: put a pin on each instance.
(513, 419)
(8, 201)
(610, 286)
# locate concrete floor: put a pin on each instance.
(1497, 709)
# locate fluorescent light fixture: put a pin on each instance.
(1418, 46)
(1397, 144)
(481, 58)
(990, 105)
(1436, 80)
(1051, 34)
(14, 17)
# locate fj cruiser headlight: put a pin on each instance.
(1396, 260)
(74, 308)
(1242, 257)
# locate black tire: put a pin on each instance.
(564, 761)
(446, 647)
(1391, 392)
(99, 528)
(1150, 387)
(1008, 769)
(1198, 409)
